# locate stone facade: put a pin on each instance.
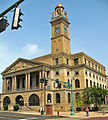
(22, 81)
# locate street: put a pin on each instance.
(27, 116)
(18, 116)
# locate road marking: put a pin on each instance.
(22, 119)
(2, 117)
(29, 119)
(32, 118)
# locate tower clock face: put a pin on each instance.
(57, 29)
(65, 30)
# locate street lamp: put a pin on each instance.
(103, 105)
(72, 112)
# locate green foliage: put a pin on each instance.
(16, 107)
(94, 95)
(78, 101)
(5, 107)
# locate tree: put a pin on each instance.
(94, 95)
(78, 100)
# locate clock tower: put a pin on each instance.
(60, 42)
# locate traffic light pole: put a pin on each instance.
(44, 93)
(72, 112)
(11, 7)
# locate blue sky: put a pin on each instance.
(88, 30)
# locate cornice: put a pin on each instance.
(59, 19)
(62, 35)
(61, 54)
(88, 57)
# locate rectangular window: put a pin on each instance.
(99, 69)
(89, 63)
(23, 83)
(85, 61)
(96, 67)
(31, 81)
(76, 61)
(18, 82)
(56, 61)
(92, 65)
(67, 61)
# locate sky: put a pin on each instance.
(88, 30)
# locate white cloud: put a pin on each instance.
(7, 56)
(31, 50)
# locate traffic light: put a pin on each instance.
(41, 80)
(3, 24)
(59, 85)
(46, 82)
(16, 18)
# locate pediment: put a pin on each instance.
(21, 64)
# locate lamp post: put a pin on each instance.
(103, 106)
(72, 112)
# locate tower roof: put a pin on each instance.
(59, 6)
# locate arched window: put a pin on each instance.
(86, 82)
(49, 98)
(20, 100)
(57, 98)
(97, 85)
(77, 95)
(6, 101)
(33, 100)
(68, 97)
(77, 83)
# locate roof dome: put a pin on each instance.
(59, 6)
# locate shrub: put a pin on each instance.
(5, 107)
(16, 107)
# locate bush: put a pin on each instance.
(5, 107)
(78, 109)
(94, 108)
(16, 107)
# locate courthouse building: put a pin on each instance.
(22, 83)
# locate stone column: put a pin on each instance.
(28, 81)
(14, 83)
(4, 85)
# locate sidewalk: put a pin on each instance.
(77, 116)
(82, 115)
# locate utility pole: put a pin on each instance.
(44, 92)
(72, 112)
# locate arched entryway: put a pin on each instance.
(34, 100)
(20, 100)
(6, 101)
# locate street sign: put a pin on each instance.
(65, 86)
(67, 83)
